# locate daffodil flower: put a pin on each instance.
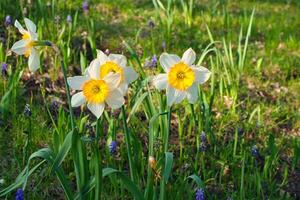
(26, 46)
(116, 64)
(96, 91)
(181, 78)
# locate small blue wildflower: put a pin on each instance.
(27, 111)
(153, 61)
(4, 67)
(203, 147)
(113, 147)
(19, 194)
(8, 20)
(255, 151)
(200, 194)
(69, 19)
(203, 136)
(85, 6)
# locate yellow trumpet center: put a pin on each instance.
(29, 46)
(26, 36)
(181, 76)
(95, 91)
(109, 67)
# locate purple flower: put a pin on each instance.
(27, 111)
(153, 61)
(203, 147)
(19, 194)
(4, 69)
(199, 194)
(69, 19)
(113, 147)
(85, 6)
(8, 20)
(203, 136)
(255, 151)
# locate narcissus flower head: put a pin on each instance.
(96, 90)
(115, 64)
(26, 46)
(181, 78)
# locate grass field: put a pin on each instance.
(239, 140)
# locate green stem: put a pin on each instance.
(128, 144)
(166, 139)
(166, 142)
(98, 165)
(55, 48)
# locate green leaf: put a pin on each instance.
(168, 166)
(128, 184)
(63, 152)
(197, 179)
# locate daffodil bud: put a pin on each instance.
(152, 162)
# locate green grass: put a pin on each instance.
(255, 102)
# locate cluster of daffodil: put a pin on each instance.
(107, 77)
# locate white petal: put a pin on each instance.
(33, 36)
(123, 87)
(130, 74)
(170, 95)
(115, 99)
(160, 81)
(30, 25)
(202, 74)
(168, 60)
(94, 69)
(20, 27)
(96, 109)
(112, 80)
(118, 59)
(102, 57)
(78, 99)
(189, 56)
(76, 82)
(19, 47)
(180, 95)
(192, 93)
(34, 60)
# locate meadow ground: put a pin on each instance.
(239, 141)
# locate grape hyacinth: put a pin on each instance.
(199, 194)
(85, 6)
(255, 151)
(8, 20)
(153, 61)
(113, 147)
(4, 67)
(69, 19)
(19, 194)
(27, 111)
(203, 141)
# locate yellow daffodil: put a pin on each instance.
(96, 90)
(116, 64)
(26, 45)
(181, 78)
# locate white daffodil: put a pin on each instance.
(115, 63)
(96, 91)
(181, 78)
(26, 45)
